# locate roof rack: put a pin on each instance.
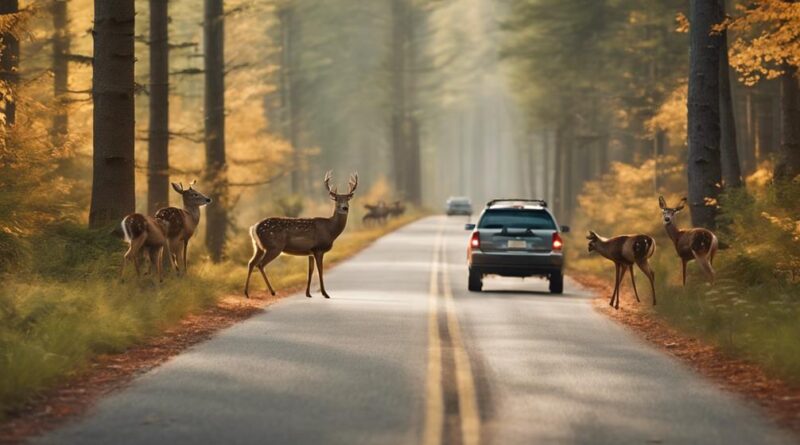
(541, 202)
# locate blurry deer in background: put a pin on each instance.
(144, 232)
(624, 251)
(182, 223)
(310, 237)
(691, 244)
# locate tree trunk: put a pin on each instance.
(729, 155)
(289, 129)
(158, 138)
(704, 170)
(113, 180)
(765, 144)
(214, 40)
(787, 165)
(9, 64)
(61, 44)
(398, 82)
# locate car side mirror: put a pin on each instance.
(469, 226)
(564, 229)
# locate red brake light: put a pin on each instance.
(557, 243)
(475, 240)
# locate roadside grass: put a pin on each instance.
(752, 311)
(65, 304)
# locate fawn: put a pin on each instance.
(182, 223)
(624, 251)
(690, 244)
(144, 232)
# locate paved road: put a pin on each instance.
(403, 354)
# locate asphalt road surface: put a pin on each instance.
(402, 353)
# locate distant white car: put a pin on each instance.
(458, 205)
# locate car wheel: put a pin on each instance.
(557, 283)
(475, 283)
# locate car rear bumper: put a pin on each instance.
(516, 264)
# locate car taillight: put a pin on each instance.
(475, 240)
(557, 243)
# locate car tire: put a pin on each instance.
(557, 283)
(475, 282)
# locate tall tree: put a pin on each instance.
(399, 72)
(158, 138)
(61, 48)
(113, 180)
(729, 155)
(704, 170)
(787, 166)
(214, 61)
(9, 63)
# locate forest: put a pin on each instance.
(597, 106)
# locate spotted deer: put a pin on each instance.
(625, 251)
(311, 237)
(182, 223)
(691, 244)
(144, 232)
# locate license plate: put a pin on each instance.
(517, 244)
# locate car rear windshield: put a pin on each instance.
(517, 219)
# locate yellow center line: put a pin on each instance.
(434, 397)
(465, 383)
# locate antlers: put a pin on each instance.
(353, 183)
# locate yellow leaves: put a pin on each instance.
(681, 23)
(768, 34)
(671, 116)
(787, 225)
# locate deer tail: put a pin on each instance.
(125, 232)
(254, 237)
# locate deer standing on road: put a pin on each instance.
(691, 244)
(311, 237)
(624, 251)
(182, 223)
(144, 232)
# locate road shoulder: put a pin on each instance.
(779, 399)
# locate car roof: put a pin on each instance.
(517, 203)
(458, 199)
(511, 205)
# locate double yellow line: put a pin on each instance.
(435, 416)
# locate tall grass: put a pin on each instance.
(753, 309)
(65, 304)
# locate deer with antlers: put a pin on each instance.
(144, 232)
(182, 223)
(625, 251)
(311, 237)
(692, 244)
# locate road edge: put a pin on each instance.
(779, 400)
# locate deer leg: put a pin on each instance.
(160, 264)
(616, 284)
(310, 274)
(645, 267)
(268, 256)
(622, 270)
(683, 266)
(174, 249)
(153, 253)
(633, 281)
(257, 254)
(318, 257)
(185, 249)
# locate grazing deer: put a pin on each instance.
(691, 244)
(397, 209)
(144, 232)
(624, 251)
(376, 212)
(311, 237)
(182, 223)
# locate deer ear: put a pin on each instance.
(178, 188)
(682, 204)
(194, 181)
(592, 235)
(662, 203)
